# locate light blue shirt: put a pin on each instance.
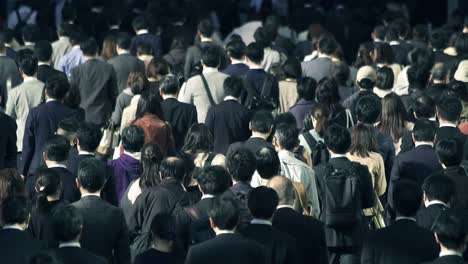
(70, 60)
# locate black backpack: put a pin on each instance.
(262, 101)
(341, 201)
(320, 154)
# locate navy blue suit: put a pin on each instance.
(8, 150)
(147, 38)
(256, 78)
(236, 70)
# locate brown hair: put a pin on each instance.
(11, 183)
(157, 68)
(137, 82)
(363, 140)
(393, 117)
(109, 48)
(321, 113)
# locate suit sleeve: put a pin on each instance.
(312, 194)
(194, 117)
(112, 90)
(122, 247)
(368, 196)
(10, 104)
(11, 148)
(117, 114)
(188, 64)
(367, 255)
(210, 120)
(394, 178)
(28, 143)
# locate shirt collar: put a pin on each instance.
(334, 155)
(14, 227)
(142, 31)
(83, 152)
(203, 39)
(135, 155)
(57, 166)
(209, 70)
(257, 221)
(256, 67)
(229, 97)
(43, 63)
(63, 38)
(29, 79)
(285, 206)
(27, 43)
(417, 144)
(91, 194)
(393, 43)
(436, 202)
(207, 196)
(220, 232)
(405, 218)
(169, 96)
(70, 244)
(234, 61)
(50, 100)
(447, 125)
(450, 252)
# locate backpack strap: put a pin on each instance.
(193, 213)
(22, 22)
(309, 139)
(207, 89)
(209, 159)
(349, 119)
(266, 87)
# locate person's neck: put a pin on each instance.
(323, 55)
(254, 66)
(85, 192)
(260, 135)
(443, 122)
(87, 58)
(21, 227)
(235, 61)
(167, 96)
(52, 198)
(28, 77)
(163, 246)
(51, 164)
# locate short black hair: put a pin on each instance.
(337, 139)
(172, 167)
(31, 33)
(169, 85)
(89, 136)
(57, 148)
(89, 47)
(268, 162)
(162, 227)
(139, 22)
(439, 187)
(418, 77)
(306, 88)
(43, 50)
(198, 138)
(261, 121)
(236, 49)
(254, 52)
(262, 202)
(91, 174)
(424, 130)
(439, 72)
(15, 210)
(449, 152)
(384, 78)
(407, 197)
(214, 180)
(450, 231)
(57, 87)
(224, 211)
(288, 136)
(233, 86)
(286, 118)
(327, 92)
(69, 128)
(133, 138)
(368, 108)
(439, 39)
(144, 49)
(340, 72)
(27, 62)
(67, 223)
(205, 27)
(380, 32)
(327, 45)
(123, 41)
(421, 33)
(262, 37)
(64, 29)
(241, 164)
(210, 56)
(449, 108)
(424, 107)
(292, 68)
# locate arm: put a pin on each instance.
(368, 196)
(210, 120)
(117, 114)
(394, 178)
(188, 64)
(112, 90)
(312, 194)
(122, 247)
(10, 104)
(380, 181)
(367, 256)
(28, 143)
(184, 95)
(11, 149)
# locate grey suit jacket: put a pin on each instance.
(123, 65)
(318, 68)
(97, 84)
(60, 48)
(10, 74)
(193, 92)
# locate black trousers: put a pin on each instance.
(349, 255)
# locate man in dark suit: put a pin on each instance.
(321, 66)
(236, 53)
(104, 232)
(280, 247)
(43, 53)
(229, 120)
(68, 224)
(438, 192)
(8, 72)
(17, 246)
(125, 63)
(8, 149)
(227, 247)
(97, 84)
(42, 122)
(261, 125)
(417, 163)
(308, 232)
(181, 116)
(140, 25)
(403, 242)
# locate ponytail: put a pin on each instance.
(48, 183)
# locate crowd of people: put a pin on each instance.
(251, 136)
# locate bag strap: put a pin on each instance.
(193, 212)
(20, 20)
(266, 87)
(301, 197)
(309, 139)
(207, 89)
(349, 119)
(316, 136)
(209, 159)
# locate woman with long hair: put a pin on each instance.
(109, 48)
(156, 71)
(327, 94)
(199, 144)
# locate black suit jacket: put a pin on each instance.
(308, 232)
(76, 255)
(17, 247)
(236, 70)
(181, 116)
(8, 150)
(460, 180)
(70, 191)
(44, 72)
(229, 123)
(453, 133)
(450, 259)
(280, 247)
(104, 232)
(8, 71)
(416, 165)
(403, 242)
(227, 249)
(123, 65)
(427, 216)
(253, 144)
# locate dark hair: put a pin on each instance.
(292, 68)
(380, 32)
(321, 113)
(89, 136)
(149, 103)
(151, 158)
(123, 41)
(139, 22)
(363, 140)
(263, 37)
(91, 174)
(327, 45)
(449, 108)
(198, 138)
(424, 107)
(57, 148)
(233, 86)
(439, 187)
(461, 45)
(15, 210)
(157, 68)
(268, 163)
(288, 136)
(109, 47)
(11, 184)
(384, 53)
(205, 27)
(424, 130)
(144, 49)
(169, 85)
(421, 33)
(48, 183)
(67, 223)
(337, 139)
(31, 33)
(459, 90)
(364, 57)
(57, 87)
(384, 78)
(407, 197)
(391, 34)
(64, 29)
(261, 121)
(393, 117)
(89, 47)
(26, 61)
(418, 77)
(368, 109)
(214, 180)
(236, 49)
(69, 128)
(327, 92)
(43, 50)
(162, 227)
(421, 57)
(75, 37)
(172, 167)
(254, 52)
(340, 72)
(449, 153)
(306, 88)
(224, 212)
(137, 82)
(241, 164)
(210, 56)
(133, 138)
(262, 202)
(450, 231)
(439, 39)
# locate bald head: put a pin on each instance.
(284, 188)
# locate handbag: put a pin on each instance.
(110, 139)
(377, 214)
